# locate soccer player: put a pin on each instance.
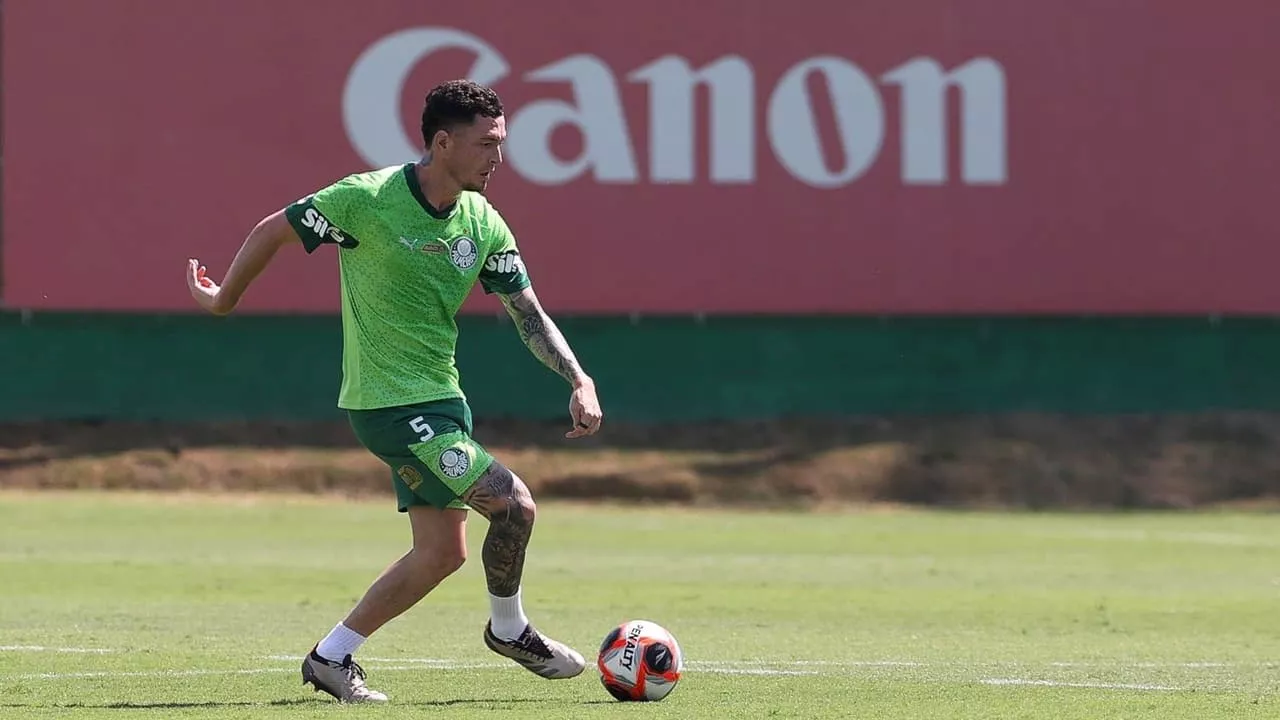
(411, 242)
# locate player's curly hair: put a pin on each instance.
(457, 102)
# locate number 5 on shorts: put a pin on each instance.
(420, 426)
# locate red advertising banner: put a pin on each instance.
(723, 156)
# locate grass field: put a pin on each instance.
(120, 606)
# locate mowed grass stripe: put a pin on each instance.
(205, 603)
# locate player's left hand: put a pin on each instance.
(584, 408)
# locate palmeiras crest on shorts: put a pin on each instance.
(463, 252)
(455, 462)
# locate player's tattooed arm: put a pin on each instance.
(546, 342)
(540, 334)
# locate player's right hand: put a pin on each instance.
(203, 289)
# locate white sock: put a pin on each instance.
(507, 616)
(339, 643)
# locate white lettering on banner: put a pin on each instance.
(793, 129)
(371, 113)
(596, 111)
(924, 121)
(672, 120)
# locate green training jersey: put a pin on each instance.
(405, 270)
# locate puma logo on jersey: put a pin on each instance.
(505, 263)
(317, 223)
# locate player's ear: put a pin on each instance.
(440, 140)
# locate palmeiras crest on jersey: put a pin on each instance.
(463, 252)
(455, 462)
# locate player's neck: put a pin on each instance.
(437, 187)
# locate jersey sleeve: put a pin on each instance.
(503, 271)
(328, 216)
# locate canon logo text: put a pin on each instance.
(372, 116)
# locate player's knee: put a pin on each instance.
(523, 499)
(528, 510)
(502, 497)
(452, 561)
(441, 562)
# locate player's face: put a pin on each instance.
(477, 152)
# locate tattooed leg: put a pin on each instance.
(502, 498)
(505, 502)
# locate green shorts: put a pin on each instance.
(428, 447)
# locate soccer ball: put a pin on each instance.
(640, 661)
